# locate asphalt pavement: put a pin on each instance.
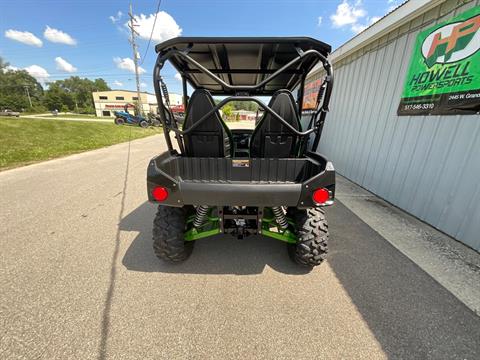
(79, 280)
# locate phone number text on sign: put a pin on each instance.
(427, 106)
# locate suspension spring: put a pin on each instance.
(280, 216)
(201, 216)
(166, 96)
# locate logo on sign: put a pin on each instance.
(452, 42)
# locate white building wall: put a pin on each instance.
(426, 165)
(111, 104)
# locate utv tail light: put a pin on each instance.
(321, 196)
(160, 193)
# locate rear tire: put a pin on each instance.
(312, 234)
(143, 124)
(168, 232)
(119, 121)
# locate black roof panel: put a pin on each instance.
(243, 60)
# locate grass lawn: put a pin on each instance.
(25, 141)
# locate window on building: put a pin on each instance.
(103, 97)
(119, 98)
(135, 97)
(105, 113)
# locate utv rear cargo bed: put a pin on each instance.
(252, 182)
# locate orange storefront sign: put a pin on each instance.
(310, 94)
(114, 106)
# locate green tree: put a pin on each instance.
(240, 105)
(75, 92)
(245, 105)
(56, 98)
(13, 89)
(3, 64)
(227, 110)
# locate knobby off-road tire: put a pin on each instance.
(119, 121)
(312, 233)
(143, 124)
(168, 232)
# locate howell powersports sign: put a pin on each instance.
(444, 73)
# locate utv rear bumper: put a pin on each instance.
(240, 182)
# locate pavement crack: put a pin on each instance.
(105, 324)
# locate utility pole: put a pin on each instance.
(134, 33)
(28, 95)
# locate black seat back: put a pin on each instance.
(271, 138)
(211, 138)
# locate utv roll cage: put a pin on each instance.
(243, 68)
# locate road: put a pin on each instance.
(79, 280)
(48, 116)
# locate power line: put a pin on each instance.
(151, 34)
(28, 95)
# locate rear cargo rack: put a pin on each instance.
(257, 181)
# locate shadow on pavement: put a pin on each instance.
(107, 308)
(216, 255)
(411, 315)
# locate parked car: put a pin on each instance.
(8, 112)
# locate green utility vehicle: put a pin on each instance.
(268, 181)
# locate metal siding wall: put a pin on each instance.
(426, 165)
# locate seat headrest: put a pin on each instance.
(200, 103)
(271, 138)
(211, 138)
(283, 103)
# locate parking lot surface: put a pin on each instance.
(79, 280)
